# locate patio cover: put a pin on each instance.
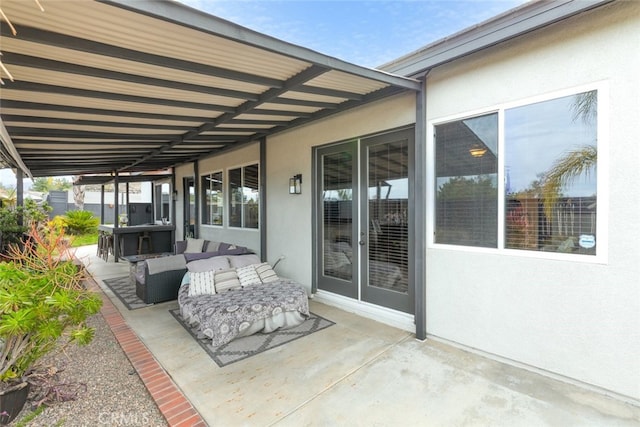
(131, 86)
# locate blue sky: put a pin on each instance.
(366, 33)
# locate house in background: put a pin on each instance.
(427, 211)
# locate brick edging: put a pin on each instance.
(171, 402)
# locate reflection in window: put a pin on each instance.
(244, 197)
(466, 182)
(162, 202)
(550, 156)
(337, 200)
(388, 200)
(212, 203)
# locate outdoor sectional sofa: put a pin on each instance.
(223, 290)
(158, 279)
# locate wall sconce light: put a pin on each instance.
(174, 195)
(295, 184)
(477, 150)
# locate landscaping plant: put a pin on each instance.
(11, 232)
(80, 222)
(43, 303)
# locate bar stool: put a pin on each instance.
(107, 246)
(144, 237)
(103, 245)
(100, 243)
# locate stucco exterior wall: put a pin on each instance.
(289, 230)
(580, 320)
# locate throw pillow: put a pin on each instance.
(244, 260)
(328, 259)
(202, 283)
(214, 263)
(212, 246)
(266, 273)
(194, 245)
(227, 279)
(248, 276)
(341, 259)
(231, 249)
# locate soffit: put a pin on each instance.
(133, 86)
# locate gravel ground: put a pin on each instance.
(114, 396)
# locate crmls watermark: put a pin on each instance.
(124, 418)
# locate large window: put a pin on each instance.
(212, 195)
(467, 182)
(244, 197)
(548, 201)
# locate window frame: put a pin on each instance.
(227, 199)
(203, 195)
(602, 184)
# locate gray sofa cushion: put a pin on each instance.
(214, 263)
(166, 263)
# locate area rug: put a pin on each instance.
(242, 348)
(125, 290)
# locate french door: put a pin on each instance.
(363, 222)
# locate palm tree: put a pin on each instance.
(576, 162)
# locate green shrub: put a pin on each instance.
(80, 222)
(31, 214)
(43, 303)
(58, 222)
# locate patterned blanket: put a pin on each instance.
(223, 316)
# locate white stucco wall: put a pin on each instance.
(289, 231)
(580, 320)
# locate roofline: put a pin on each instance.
(181, 14)
(13, 158)
(506, 26)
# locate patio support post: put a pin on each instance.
(196, 190)
(20, 192)
(419, 214)
(116, 204)
(102, 204)
(116, 213)
(263, 199)
(172, 200)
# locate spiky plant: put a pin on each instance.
(564, 171)
(43, 303)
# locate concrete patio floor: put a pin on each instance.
(358, 373)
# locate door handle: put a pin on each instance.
(362, 242)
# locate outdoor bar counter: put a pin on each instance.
(125, 239)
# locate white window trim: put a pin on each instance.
(602, 185)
